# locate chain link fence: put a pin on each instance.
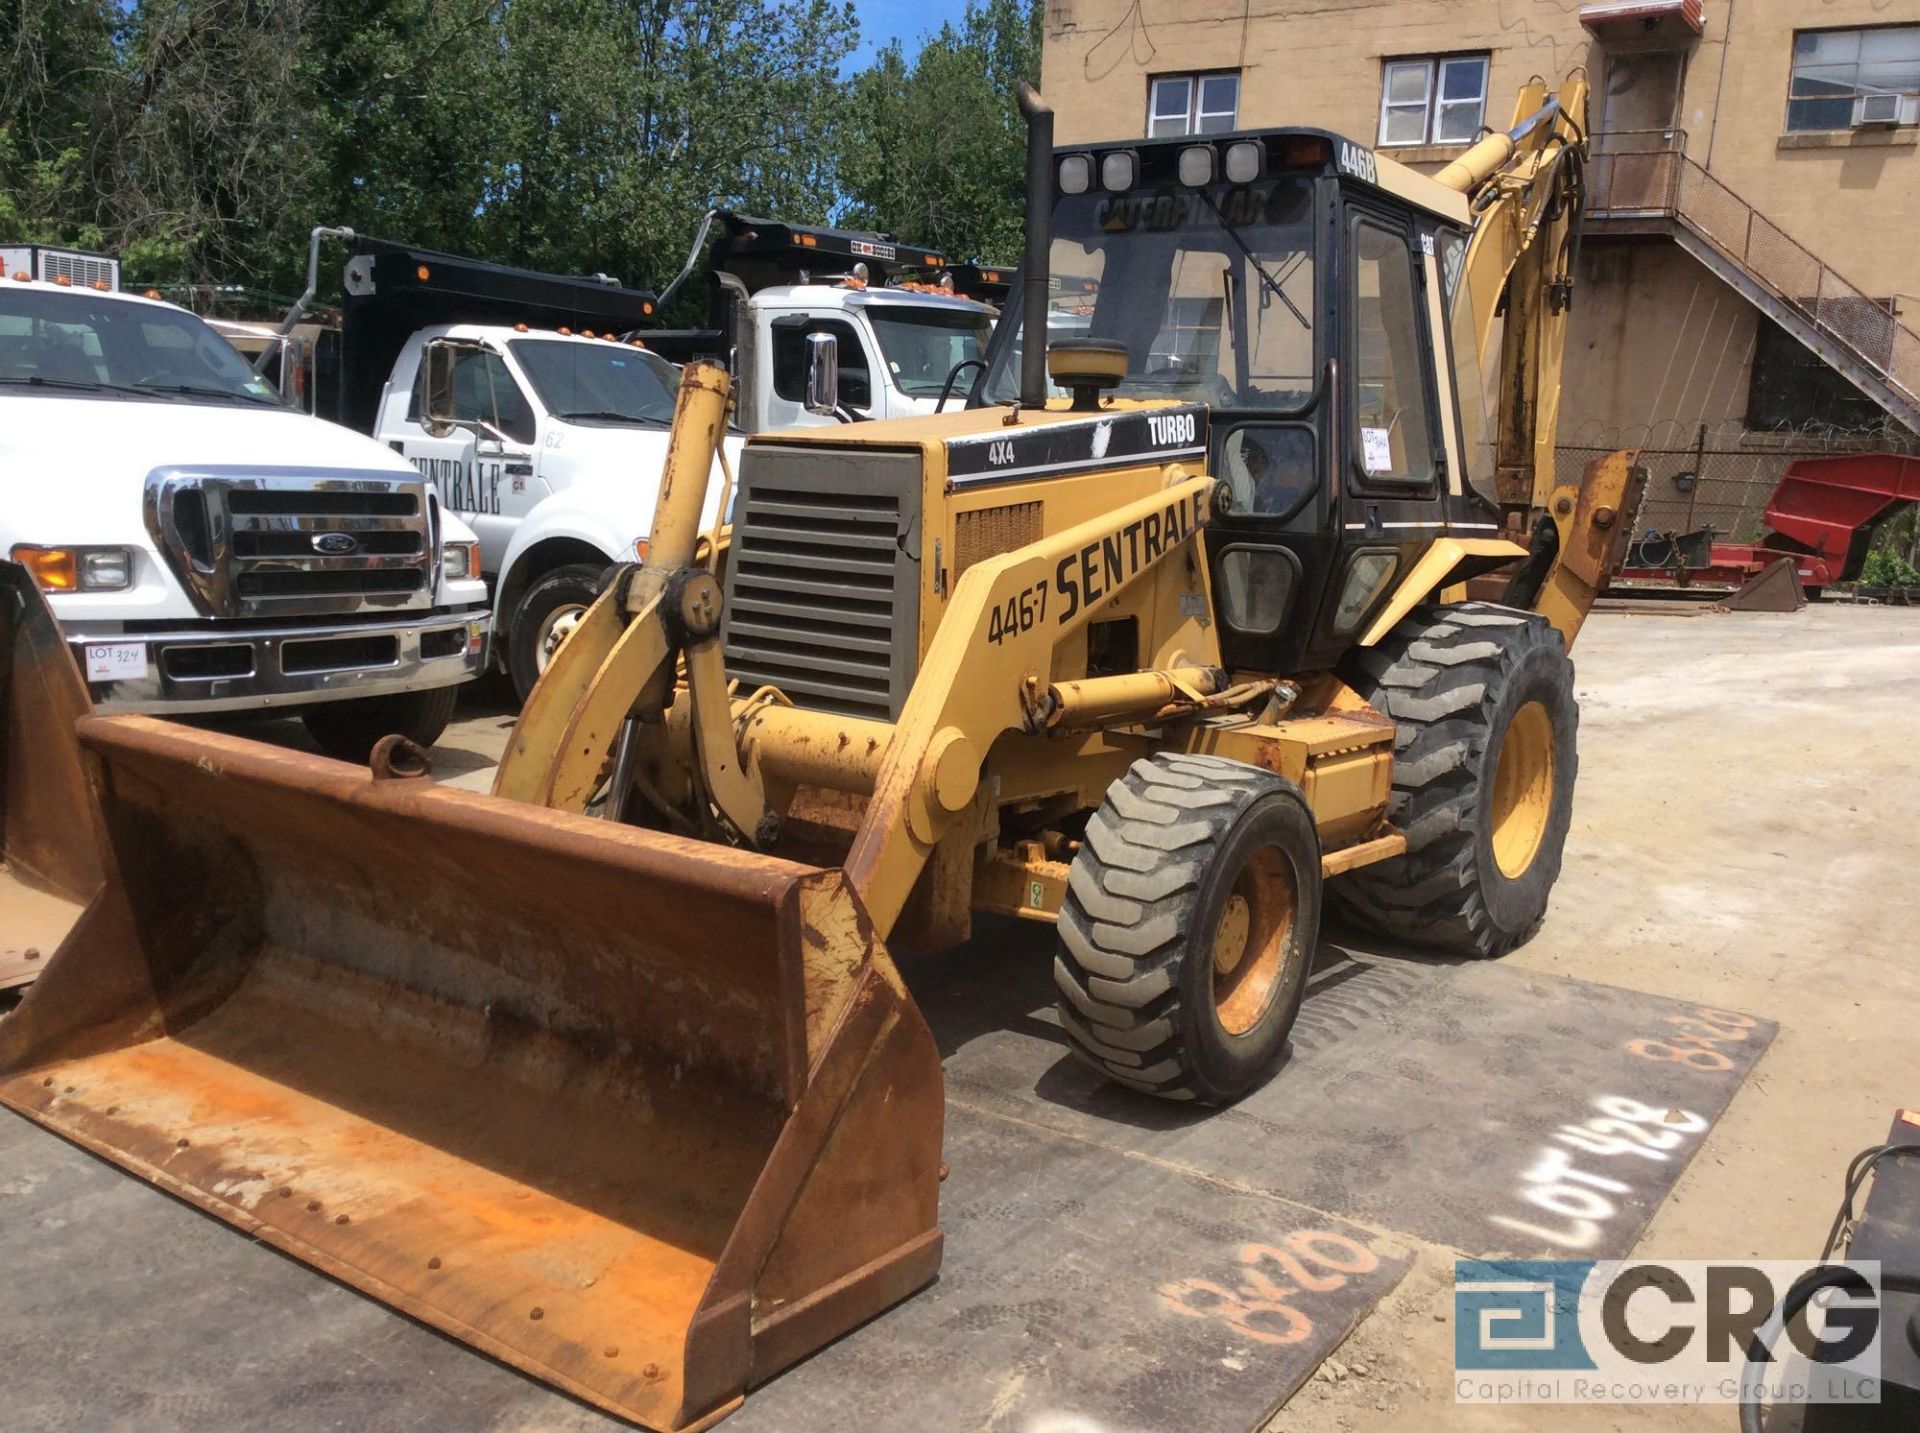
(1718, 477)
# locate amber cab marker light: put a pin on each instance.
(423, 273)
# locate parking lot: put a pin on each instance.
(1743, 846)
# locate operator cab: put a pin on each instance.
(1302, 289)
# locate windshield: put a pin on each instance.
(601, 382)
(80, 341)
(920, 346)
(1210, 290)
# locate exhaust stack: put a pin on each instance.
(1034, 266)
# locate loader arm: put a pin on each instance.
(614, 675)
(987, 666)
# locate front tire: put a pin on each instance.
(1483, 774)
(348, 731)
(1189, 926)
(545, 614)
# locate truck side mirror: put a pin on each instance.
(438, 414)
(823, 374)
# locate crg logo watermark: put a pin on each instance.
(1638, 1331)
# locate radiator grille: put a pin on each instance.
(256, 546)
(988, 532)
(822, 598)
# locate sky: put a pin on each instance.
(910, 21)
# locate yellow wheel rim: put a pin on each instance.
(1523, 790)
(1250, 944)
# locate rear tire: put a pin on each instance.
(550, 604)
(348, 731)
(1483, 775)
(1189, 926)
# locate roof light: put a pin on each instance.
(151, 293)
(586, 333)
(808, 241)
(934, 261)
(423, 273)
(565, 330)
(21, 276)
(636, 343)
(100, 284)
(520, 328)
(1196, 166)
(1117, 171)
(64, 280)
(646, 306)
(1076, 174)
(1245, 161)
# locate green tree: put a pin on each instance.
(58, 71)
(933, 148)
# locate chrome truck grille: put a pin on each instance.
(823, 577)
(296, 543)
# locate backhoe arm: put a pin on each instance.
(1527, 190)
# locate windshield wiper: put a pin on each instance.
(605, 416)
(195, 390)
(1258, 267)
(77, 385)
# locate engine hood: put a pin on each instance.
(90, 439)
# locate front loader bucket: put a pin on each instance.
(646, 1118)
(49, 861)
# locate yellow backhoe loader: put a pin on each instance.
(612, 1073)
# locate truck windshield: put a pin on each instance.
(1209, 290)
(920, 346)
(599, 382)
(84, 342)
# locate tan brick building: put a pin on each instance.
(1750, 286)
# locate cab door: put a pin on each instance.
(1394, 421)
(478, 436)
(786, 396)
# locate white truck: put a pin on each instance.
(539, 404)
(205, 547)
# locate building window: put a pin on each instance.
(1433, 99)
(1193, 104)
(1833, 69)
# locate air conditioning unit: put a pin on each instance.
(1872, 111)
(76, 266)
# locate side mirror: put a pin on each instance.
(439, 405)
(823, 374)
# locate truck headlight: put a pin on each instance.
(77, 569)
(459, 560)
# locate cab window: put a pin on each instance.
(790, 360)
(1394, 441)
(483, 391)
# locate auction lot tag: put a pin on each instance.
(115, 661)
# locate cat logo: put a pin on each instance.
(1357, 160)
